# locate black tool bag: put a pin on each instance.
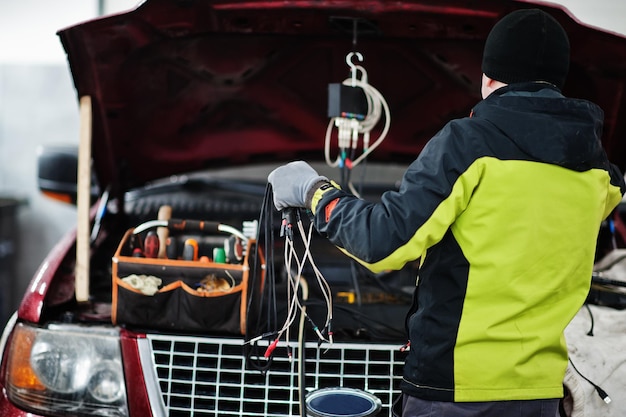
(183, 301)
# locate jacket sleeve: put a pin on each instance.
(400, 228)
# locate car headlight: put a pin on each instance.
(67, 369)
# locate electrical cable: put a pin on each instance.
(349, 129)
(302, 350)
(294, 282)
(348, 139)
(326, 291)
(605, 397)
(376, 106)
(267, 294)
(590, 332)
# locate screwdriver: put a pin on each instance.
(171, 248)
(151, 245)
(165, 213)
(190, 250)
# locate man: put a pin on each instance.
(503, 210)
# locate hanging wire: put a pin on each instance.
(265, 325)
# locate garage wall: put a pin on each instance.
(38, 106)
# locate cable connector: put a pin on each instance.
(283, 227)
(317, 331)
(257, 338)
(289, 219)
(330, 332)
(270, 348)
(602, 393)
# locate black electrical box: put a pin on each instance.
(346, 101)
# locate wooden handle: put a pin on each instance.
(83, 202)
(165, 213)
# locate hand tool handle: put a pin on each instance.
(192, 226)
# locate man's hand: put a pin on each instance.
(292, 182)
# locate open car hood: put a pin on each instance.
(184, 85)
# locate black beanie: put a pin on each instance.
(527, 45)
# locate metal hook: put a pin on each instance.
(353, 68)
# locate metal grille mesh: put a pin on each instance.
(204, 377)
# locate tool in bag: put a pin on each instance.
(192, 288)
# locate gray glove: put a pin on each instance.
(292, 182)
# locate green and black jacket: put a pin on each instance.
(504, 209)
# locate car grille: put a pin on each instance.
(204, 377)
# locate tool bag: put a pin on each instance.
(194, 295)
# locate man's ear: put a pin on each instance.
(489, 85)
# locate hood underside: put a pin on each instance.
(184, 85)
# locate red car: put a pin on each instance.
(172, 297)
